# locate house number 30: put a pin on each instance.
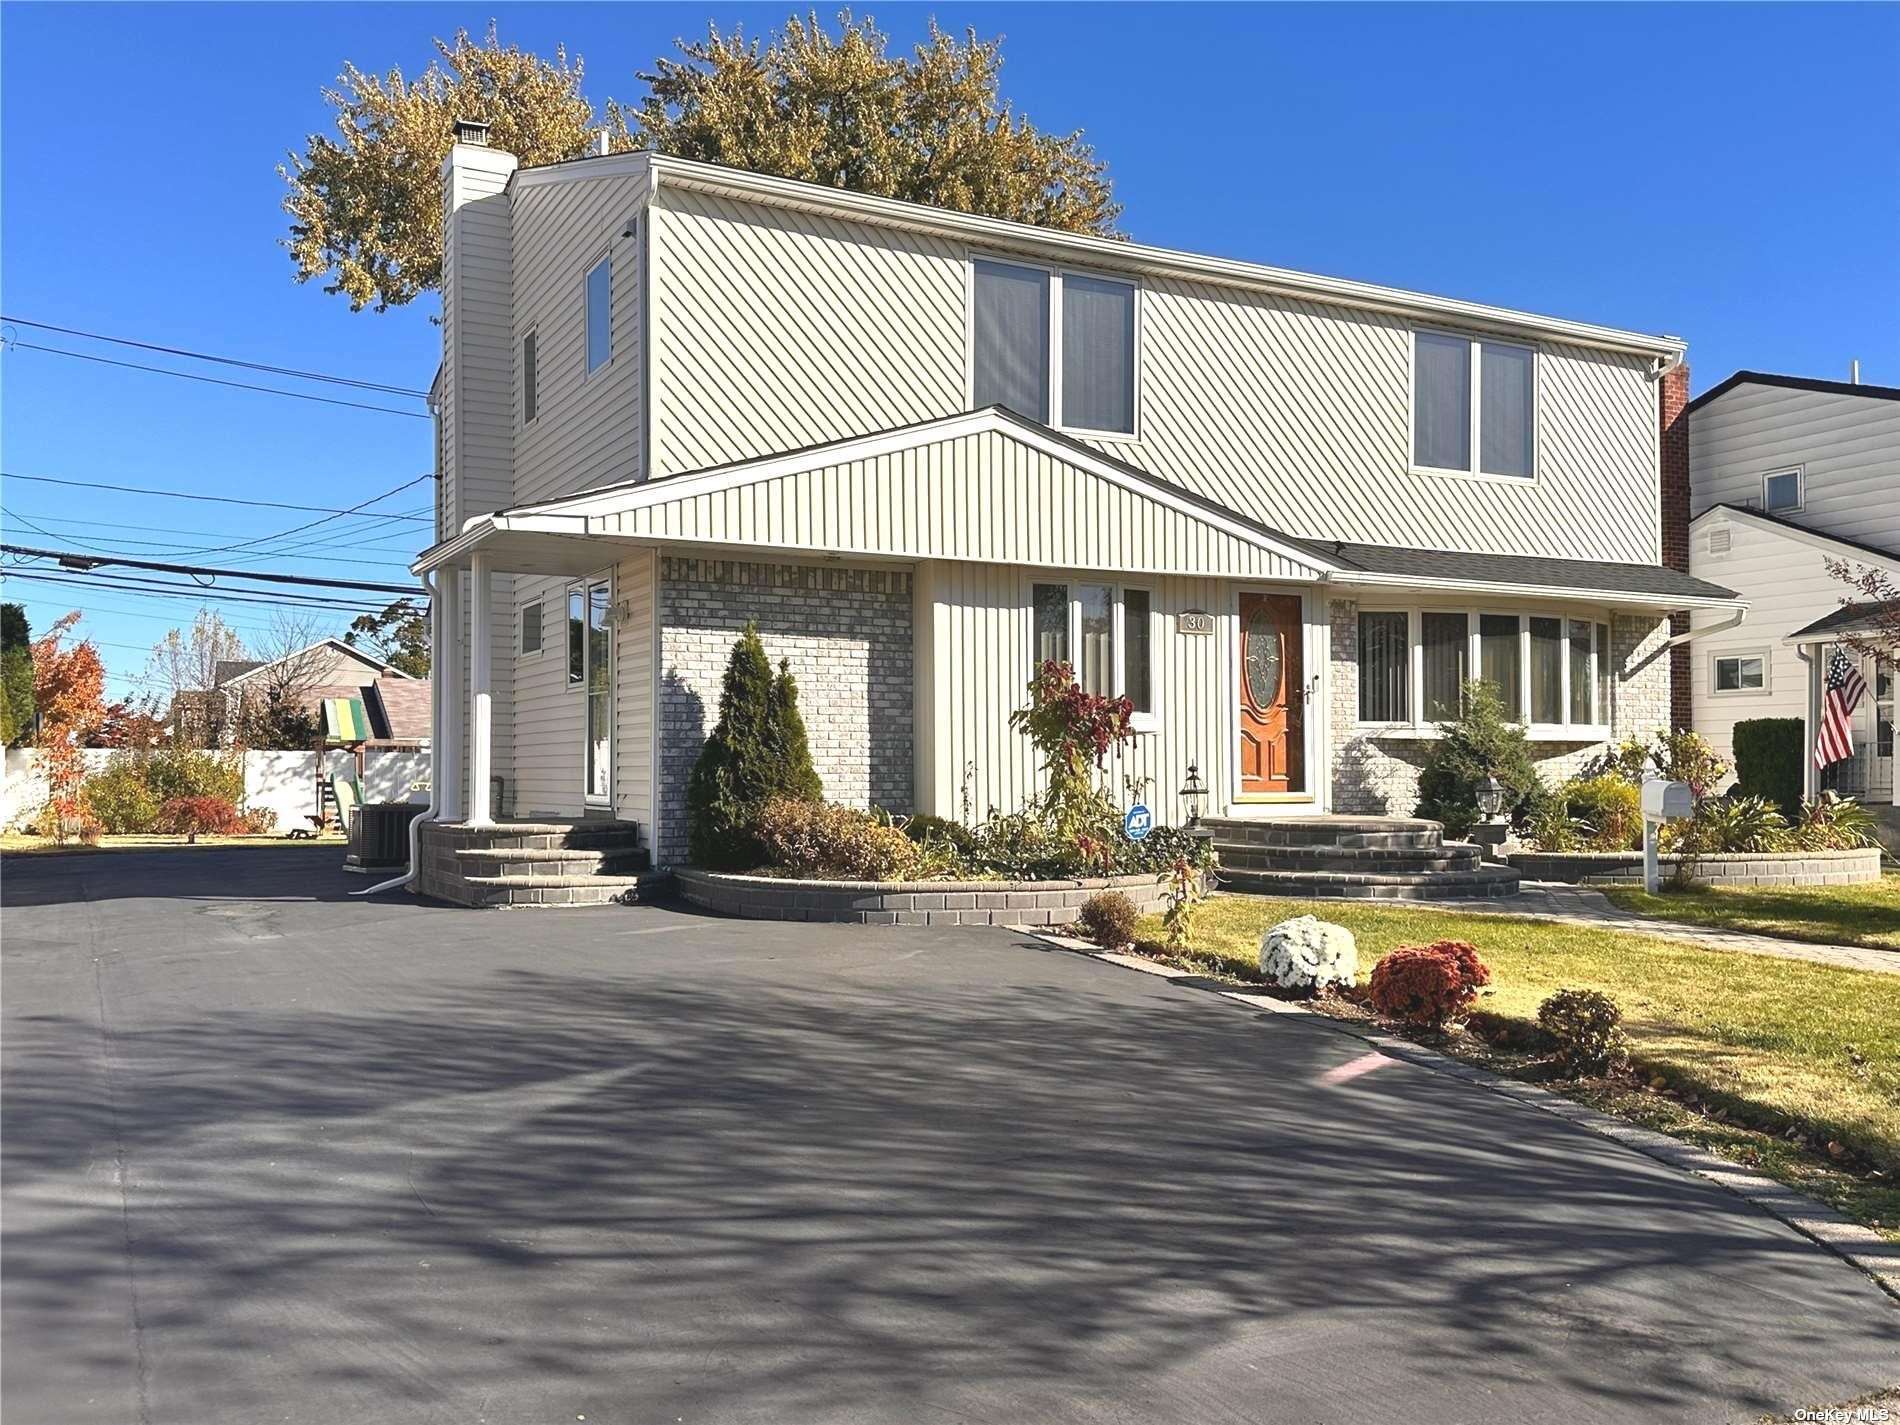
(1194, 621)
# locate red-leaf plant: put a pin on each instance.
(1074, 731)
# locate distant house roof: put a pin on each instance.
(1796, 527)
(1792, 383)
(1569, 576)
(334, 645)
(1848, 618)
(404, 705)
(229, 668)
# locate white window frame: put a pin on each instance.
(1142, 722)
(1477, 341)
(588, 373)
(538, 603)
(1052, 317)
(1718, 656)
(1416, 725)
(533, 334)
(1800, 473)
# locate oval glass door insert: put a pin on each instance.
(1263, 658)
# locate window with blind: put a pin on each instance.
(1384, 664)
(1009, 363)
(1552, 673)
(1098, 354)
(1446, 657)
(1473, 405)
(1058, 347)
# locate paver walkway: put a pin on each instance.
(1580, 905)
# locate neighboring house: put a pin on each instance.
(1286, 515)
(1785, 474)
(356, 700)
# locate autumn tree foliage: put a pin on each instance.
(69, 682)
(1878, 636)
(826, 107)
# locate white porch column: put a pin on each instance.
(448, 689)
(481, 654)
(1810, 656)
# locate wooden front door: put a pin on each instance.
(1272, 695)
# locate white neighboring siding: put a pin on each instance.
(1850, 446)
(587, 429)
(975, 619)
(984, 497)
(633, 691)
(775, 329)
(1783, 578)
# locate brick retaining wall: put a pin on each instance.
(909, 902)
(1779, 868)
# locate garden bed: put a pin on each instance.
(911, 902)
(1740, 868)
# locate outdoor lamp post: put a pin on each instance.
(1194, 793)
(1490, 833)
(1491, 797)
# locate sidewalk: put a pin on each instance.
(1580, 905)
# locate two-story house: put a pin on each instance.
(1286, 515)
(1787, 473)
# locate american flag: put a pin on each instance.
(1845, 688)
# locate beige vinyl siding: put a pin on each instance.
(984, 496)
(478, 370)
(1848, 445)
(1293, 412)
(501, 673)
(1788, 587)
(549, 714)
(587, 430)
(633, 690)
(980, 634)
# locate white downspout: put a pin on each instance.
(1810, 719)
(435, 744)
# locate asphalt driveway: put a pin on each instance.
(275, 1155)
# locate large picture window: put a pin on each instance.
(1109, 627)
(1474, 405)
(1551, 673)
(1058, 347)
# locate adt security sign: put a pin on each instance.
(1138, 823)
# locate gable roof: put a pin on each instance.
(1791, 383)
(1112, 254)
(251, 670)
(1848, 618)
(405, 704)
(1813, 536)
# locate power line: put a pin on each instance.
(197, 593)
(213, 380)
(213, 499)
(162, 547)
(257, 576)
(312, 524)
(221, 360)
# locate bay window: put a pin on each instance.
(1058, 347)
(1104, 632)
(1551, 673)
(1473, 422)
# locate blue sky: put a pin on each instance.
(1726, 173)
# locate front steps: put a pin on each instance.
(535, 863)
(1352, 858)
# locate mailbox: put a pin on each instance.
(1666, 801)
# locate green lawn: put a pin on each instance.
(1866, 915)
(1771, 1043)
(13, 843)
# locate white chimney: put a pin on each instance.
(1853, 371)
(477, 319)
(603, 144)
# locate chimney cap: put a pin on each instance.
(471, 131)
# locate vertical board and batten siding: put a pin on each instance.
(985, 497)
(587, 427)
(1788, 587)
(1294, 412)
(975, 623)
(1848, 445)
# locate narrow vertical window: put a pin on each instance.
(530, 380)
(1010, 356)
(531, 627)
(1580, 677)
(1603, 673)
(576, 638)
(1504, 409)
(1095, 605)
(1447, 658)
(1441, 402)
(1499, 659)
(1137, 655)
(600, 314)
(1052, 623)
(1547, 670)
(1384, 664)
(1098, 354)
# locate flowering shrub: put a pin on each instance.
(192, 817)
(1588, 1028)
(1473, 971)
(1108, 918)
(1306, 953)
(821, 839)
(1422, 984)
(1074, 731)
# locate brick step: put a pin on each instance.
(545, 836)
(1357, 832)
(555, 861)
(1381, 860)
(1486, 883)
(514, 890)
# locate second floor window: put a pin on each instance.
(600, 314)
(1781, 492)
(1057, 347)
(530, 381)
(1473, 405)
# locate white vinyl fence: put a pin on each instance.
(283, 782)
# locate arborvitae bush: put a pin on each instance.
(758, 750)
(1480, 742)
(1768, 761)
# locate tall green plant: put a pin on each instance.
(1481, 742)
(1073, 731)
(1768, 761)
(757, 750)
(16, 676)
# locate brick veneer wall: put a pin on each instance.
(1378, 776)
(847, 634)
(1673, 467)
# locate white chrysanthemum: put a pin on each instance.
(1307, 953)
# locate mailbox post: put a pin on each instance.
(1662, 801)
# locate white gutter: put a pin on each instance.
(435, 742)
(1536, 591)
